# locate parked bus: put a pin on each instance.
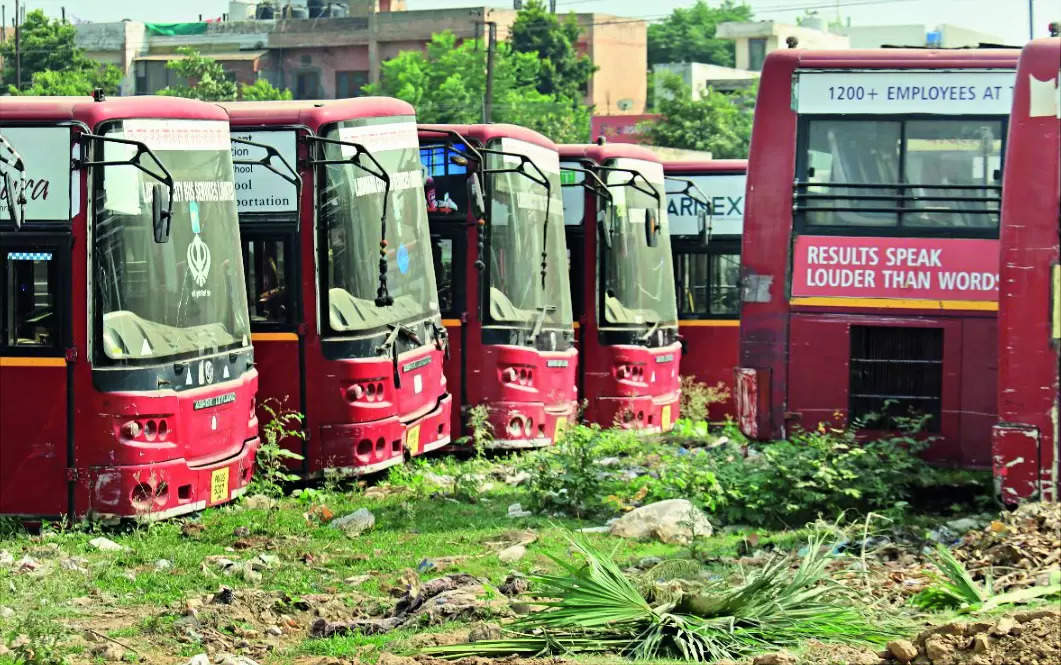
(616, 220)
(707, 268)
(1025, 446)
(493, 198)
(126, 370)
(869, 268)
(344, 308)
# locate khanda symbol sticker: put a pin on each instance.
(198, 251)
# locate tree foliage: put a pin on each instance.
(562, 70)
(688, 35)
(717, 122)
(446, 84)
(206, 79)
(51, 63)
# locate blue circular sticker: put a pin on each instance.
(403, 259)
(193, 213)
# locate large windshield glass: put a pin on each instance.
(517, 214)
(638, 278)
(351, 204)
(184, 296)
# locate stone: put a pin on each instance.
(231, 659)
(27, 564)
(198, 659)
(517, 478)
(105, 545)
(275, 631)
(108, 652)
(355, 523)
(512, 554)
(516, 510)
(259, 502)
(964, 524)
(439, 481)
(779, 658)
(675, 521)
(981, 643)
(903, 651)
(937, 649)
(1004, 626)
(6, 612)
(75, 564)
(163, 564)
(482, 632)
(649, 562)
(5, 558)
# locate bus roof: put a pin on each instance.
(314, 113)
(892, 58)
(600, 153)
(707, 166)
(488, 132)
(92, 113)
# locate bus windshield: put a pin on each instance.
(517, 214)
(350, 207)
(184, 296)
(638, 279)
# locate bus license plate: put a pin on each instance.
(412, 439)
(219, 485)
(558, 431)
(665, 423)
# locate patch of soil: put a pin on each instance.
(1025, 638)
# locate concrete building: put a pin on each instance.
(943, 36)
(754, 39)
(699, 77)
(333, 57)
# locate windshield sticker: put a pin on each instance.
(380, 138)
(445, 204)
(45, 187)
(888, 92)
(725, 198)
(403, 259)
(178, 134)
(198, 255)
(203, 190)
(193, 213)
(258, 188)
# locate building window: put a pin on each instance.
(756, 53)
(896, 373)
(707, 282)
(349, 84)
(308, 85)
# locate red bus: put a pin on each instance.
(707, 267)
(344, 309)
(869, 269)
(126, 366)
(1025, 445)
(617, 230)
(493, 198)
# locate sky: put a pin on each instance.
(1005, 18)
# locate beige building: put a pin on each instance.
(757, 38)
(333, 57)
(943, 36)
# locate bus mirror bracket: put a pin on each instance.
(703, 214)
(475, 197)
(593, 183)
(383, 296)
(651, 228)
(537, 177)
(161, 191)
(14, 191)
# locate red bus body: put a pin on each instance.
(707, 278)
(896, 158)
(106, 412)
(629, 383)
(1025, 443)
(364, 408)
(527, 383)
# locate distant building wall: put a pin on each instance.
(754, 39)
(619, 48)
(700, 76)
(944, 35)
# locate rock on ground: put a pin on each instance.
(512, 554)
(355, 523)
(1027, 638)
(675, 521)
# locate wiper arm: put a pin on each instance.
(539, 320)
(16, 203)
(441, 337)
(390, 346)
(652, 328)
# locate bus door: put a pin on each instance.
(270, 266)
(35, 397)
(576, 263)
(448, 249)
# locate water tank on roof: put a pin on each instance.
(934, 38)
(242, 10)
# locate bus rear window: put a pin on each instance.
(919, 175)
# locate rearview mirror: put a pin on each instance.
(651, 228)
(161, 212)
(16, 203)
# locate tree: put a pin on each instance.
(717, 122)
(447, 83)
(563, 70)
(688, 35)
(51, 62)
(205, 79)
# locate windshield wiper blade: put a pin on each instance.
(652, 328)
(539, 320)
(390, 346)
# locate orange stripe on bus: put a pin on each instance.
(21, 361)
(896, 303)
(720, 323)
(274, 337)
(452, 323)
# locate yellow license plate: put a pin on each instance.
(558, 431)
(665, 423)
(412, 439)
(219, 485)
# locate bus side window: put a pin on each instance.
(442, 251)
(268, 294)
(725, 284)
(30, 317)
(707, 283)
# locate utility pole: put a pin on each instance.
(1031, 19)
(488, 98)
(18, 49)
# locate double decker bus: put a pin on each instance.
(493, 199)
(706, 226)
(616, 220)
(343, 304)
(869, 269)
(1025, 444)
(127, 375)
